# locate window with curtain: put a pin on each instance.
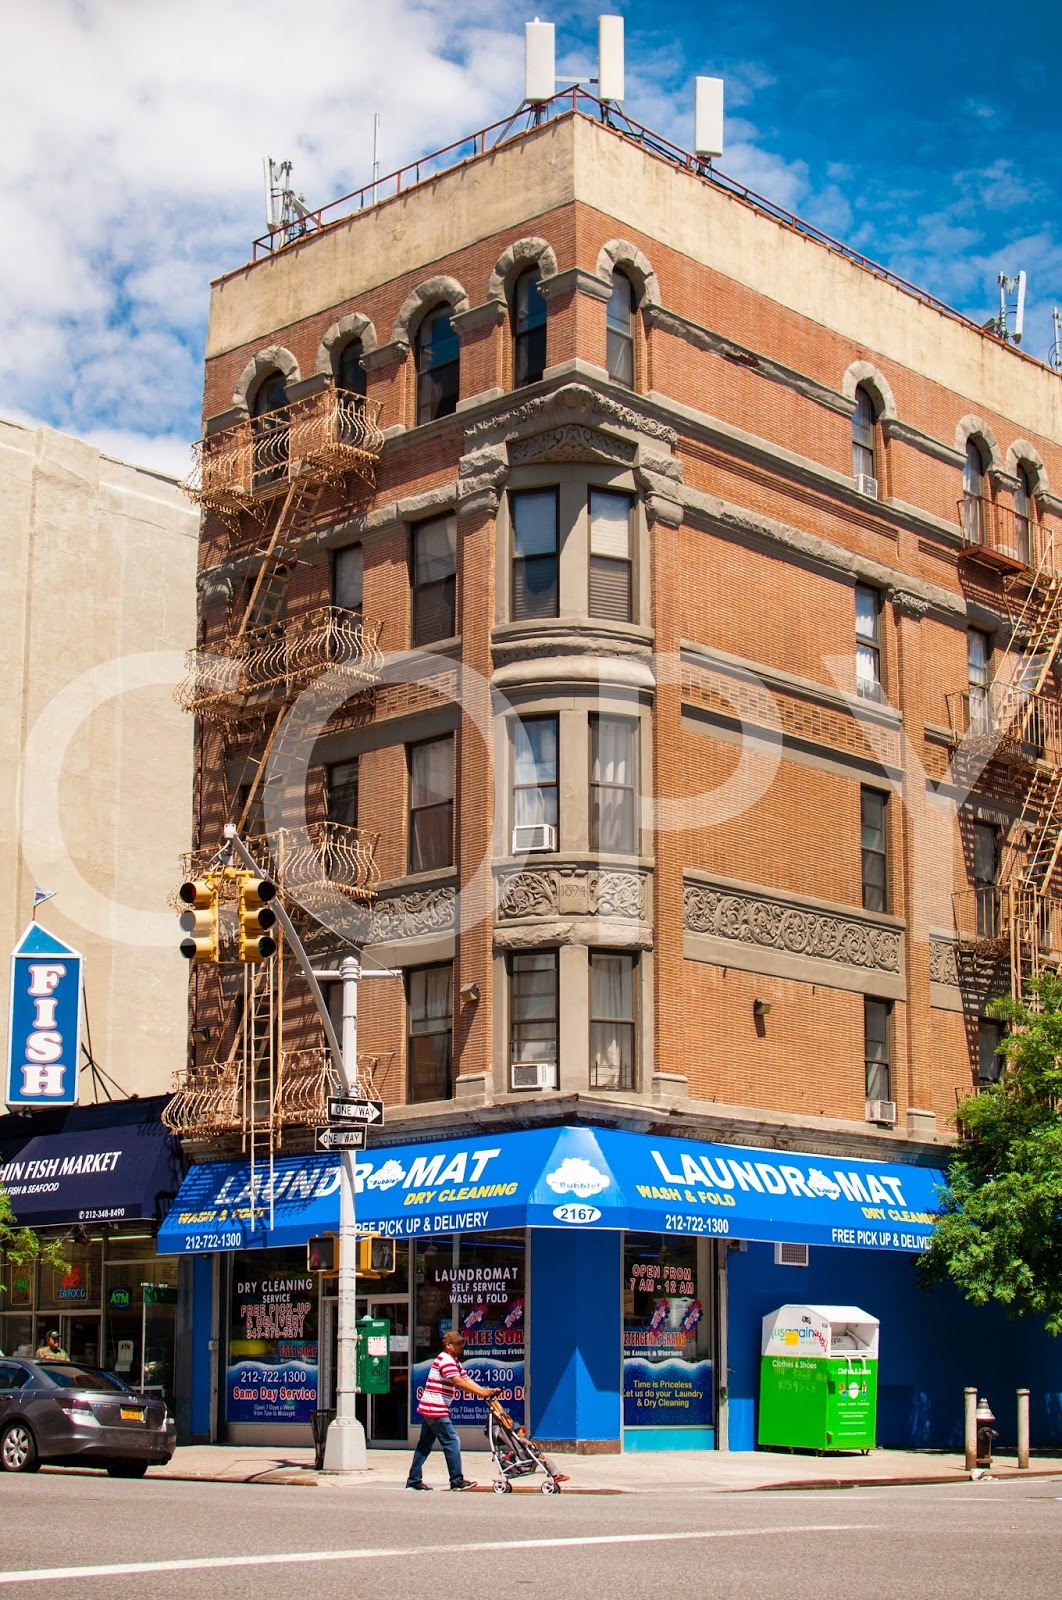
(434, 580)
(973, 488)
(348, 572)
(611, 589)
(533, 1007)
(863, 461)
(343, 793)
(534, 771)
(529, 329)
(1023, 514)
(613, 789)
(438, 353)
(612, 1028)
(873, 806)
(868, 642)
(269, 427)
(535, 558)
(429, 1045)
(878, 1070)
(350, 374)
(978, 650)
(986, 877)
(619, 331)
(431, 805)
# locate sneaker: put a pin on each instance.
(465, 1483)
(420, 1484)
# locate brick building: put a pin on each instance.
(629, 614)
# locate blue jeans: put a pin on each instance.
(443, 1430)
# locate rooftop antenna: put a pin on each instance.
(610, 83)
(708, 119)
(540, 64)
(1001, 325)
(286, 212)
(375, 153)
(1055, 357)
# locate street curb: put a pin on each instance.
(1006, 1475)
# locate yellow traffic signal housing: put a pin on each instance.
(322, 1254)
(376, 1256)
(200, 921)
(256, 918)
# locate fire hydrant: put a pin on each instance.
(985, 1433)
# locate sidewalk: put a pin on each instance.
(660, 1472)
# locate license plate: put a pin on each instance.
(129, 1415)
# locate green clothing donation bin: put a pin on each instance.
(819, 1378)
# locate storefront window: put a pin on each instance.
(272, 1358)
(477, 1285)
(667, 1367)
(140, 1300)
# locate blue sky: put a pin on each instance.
(927, 136)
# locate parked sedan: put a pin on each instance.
(70, 1414)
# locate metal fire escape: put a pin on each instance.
(1011, 730)
(265, 479)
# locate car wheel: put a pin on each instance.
(127, 1469)
(18, 1449)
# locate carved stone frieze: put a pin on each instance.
(749, 918)
(411, 915)
(572, 442)
(943, 965)
(572, 891)
(574, 402)
(910, 605)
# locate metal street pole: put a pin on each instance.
(345, 1439)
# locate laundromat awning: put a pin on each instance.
(556, 1178)
(130, 1168)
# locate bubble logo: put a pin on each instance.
(387, 1176)
(820, 1184)
(577, 1176)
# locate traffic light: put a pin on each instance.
(322, 1254)
(256, 944)
(200, 921)
(376, 1256)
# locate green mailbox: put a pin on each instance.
(374, 1355)
(819, 1378)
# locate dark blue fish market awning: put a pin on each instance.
(106, 1164)
(556, 1178)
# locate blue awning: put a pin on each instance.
(556, 1178)
(128, 1169)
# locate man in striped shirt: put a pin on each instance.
(446, 1377)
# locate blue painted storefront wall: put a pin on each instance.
(575, 1334)
(932, 1346)
(202, 1331)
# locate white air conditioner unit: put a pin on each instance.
(534, 836)
(881, 1111)
(534, 1074)
(790, 1255)
(867, 485)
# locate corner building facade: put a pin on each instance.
(612, 601)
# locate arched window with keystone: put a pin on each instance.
(438, 352)
(529, 328)
(619, 325)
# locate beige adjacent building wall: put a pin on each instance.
(97, 588)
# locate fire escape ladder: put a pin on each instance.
(266, 599)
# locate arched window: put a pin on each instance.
(350, 374)
(1023, 514)
(529, 329)
(438, 366)
(973, 488)
(269, 425)
(864, 464)
(619, 322)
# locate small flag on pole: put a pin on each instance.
(40, 896)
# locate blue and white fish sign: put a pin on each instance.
(45, 1034)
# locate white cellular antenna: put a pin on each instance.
(540, 62)
(286, 212)
(1002, 325)
(375, 153)
(610, 58)
(1055, 357)
(708, 118)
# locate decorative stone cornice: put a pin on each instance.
(911, 605)
(573, 403)
(573, 441)
(572, 891)
(413, 914)
(750, 916)
(701, 338)
(905, 433)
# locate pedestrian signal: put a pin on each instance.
(256, 917)
(322, 1254)
(376, 1256)
(200, 921)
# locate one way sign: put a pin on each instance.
(340, 1138)
(350, 1110)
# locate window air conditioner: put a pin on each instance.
(534, 836)
(881, 1111)
(790, 1255)
(534, 1074)
(867, 485)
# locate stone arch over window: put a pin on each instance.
(509, 265)
(863, 375)
(425, 297)
(348, 328)
(973, 428)
(634, 265)
(1024, 454)
(264, 362)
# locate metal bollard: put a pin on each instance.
(970, 1430)
(985, 1434)
(1023, 1428)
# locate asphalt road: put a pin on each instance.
(80, 1537)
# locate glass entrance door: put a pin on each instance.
(385, 1417)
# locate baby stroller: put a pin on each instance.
(515, 1455)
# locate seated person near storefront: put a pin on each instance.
(52, 1350)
